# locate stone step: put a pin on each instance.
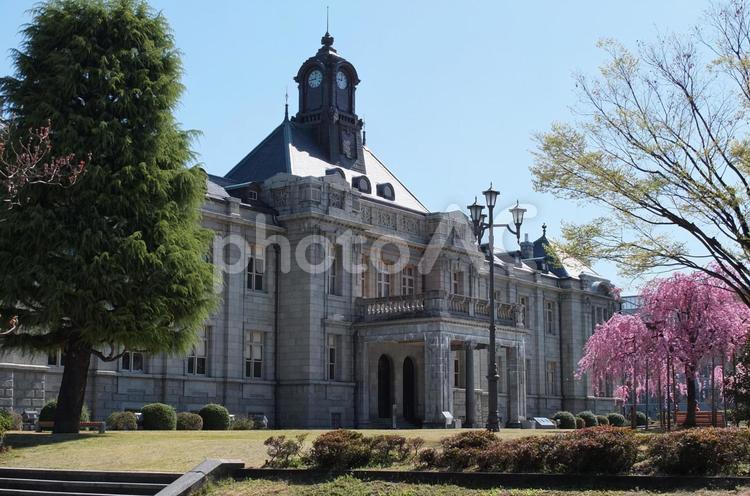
(32, 492)
(88, 475)
(84, 487)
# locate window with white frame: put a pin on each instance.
(254, 354)
(384, 281)
(56, 358)
(256, 268)
(198, 357)
(552, 386)
(549, 317)
(407, 281)
(458, 282)
(523, 302)
(332, 357)
(132, 361)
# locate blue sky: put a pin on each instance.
(451, 92)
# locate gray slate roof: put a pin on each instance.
(289, 149)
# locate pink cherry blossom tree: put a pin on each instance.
(685, 319)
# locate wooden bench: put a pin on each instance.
(702, 419)
(49, 424)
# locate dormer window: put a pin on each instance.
(336, 170)
(252, 195)
(386, 191)
(362, 184)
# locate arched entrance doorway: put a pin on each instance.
(385, 378)
(410, 390)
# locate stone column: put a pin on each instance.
(363, 383)
(516, 386)
(471, 408)
(438, 397)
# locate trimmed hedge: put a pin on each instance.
(580, 423)
(462, 450)
(523, 455)
(565, 420)
(122, 421)
(588, 418)
(242, 424)
(158, 417)
(48, 412)
(700, 451)
(599, 450)
(616, 419)
(187, 421)
(215, 417)
(640, 418)
(602, 420)
(340, 450)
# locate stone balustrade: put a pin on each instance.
(433, 304)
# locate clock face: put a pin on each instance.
(315, 78)
(341, 81)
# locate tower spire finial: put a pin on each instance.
(327, 39)
(286, 104)
(544, 229)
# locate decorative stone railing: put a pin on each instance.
(433, 304)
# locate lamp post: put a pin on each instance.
(480, 226)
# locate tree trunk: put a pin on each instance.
(692, 402)
(72, 388)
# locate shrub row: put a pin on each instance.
(704, 451)
(161, 417)
(341, 450)
(602, 449)
(567, 420)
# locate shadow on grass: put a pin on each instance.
(19, 440)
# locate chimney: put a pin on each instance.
(527, 248)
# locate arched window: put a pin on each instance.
(386, 191)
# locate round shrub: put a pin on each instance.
(565, 420)
(243, 424)
(215, 417)
(588, 418)
(616, 419)
(702, 451)
(462, 450)
(580, 423)
(340, 450)
(388, 449)
(523, 455)
(122, 421)
(640, 418)
(600, 450)
(429, 458)
(189, 421)
(158, 417)
(48, 412)
(10, 420)
(602, 420)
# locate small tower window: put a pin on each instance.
(386, 191)
(362, 184)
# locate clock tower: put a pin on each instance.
(327, 84)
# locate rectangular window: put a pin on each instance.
(332, 357)
(384, 281)
(132, 361)
(523, 302)
(254, 355)
(334, 262)
(363, 292)
(196, 361)
(529, 388)
(56, 358)
(549, 317)
(457, 376)
(552, 387)
(256, 268)
(407, 281)
(458, 282)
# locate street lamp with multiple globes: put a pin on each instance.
(480, 226)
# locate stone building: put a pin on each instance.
(344, 299)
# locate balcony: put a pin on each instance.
(434, 304)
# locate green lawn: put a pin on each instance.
(165, 451)
(348, 486)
